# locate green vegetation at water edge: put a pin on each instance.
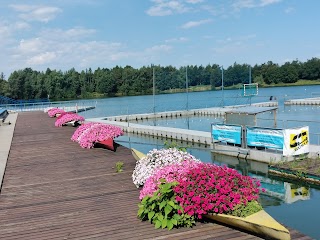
(126, 81)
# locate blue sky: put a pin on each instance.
(61, 34)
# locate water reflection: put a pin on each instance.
(295, 192)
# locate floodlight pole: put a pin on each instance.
(154, 93)
(187, 92)
(187, 89)
(250, 82)
(222, 86)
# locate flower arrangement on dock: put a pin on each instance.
(156, 159)
(53, 112)
(88, 134)
(178, 193)
(67, 118)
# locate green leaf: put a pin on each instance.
(153, 206)
(166, 187)
(167, 209)
(150, 215)
(152, 199)
(145, 199)
(174, 221)
(169, 224)
(140, 211)
(171, 203)
(160, 217)
(164, 223)
(162, 204)
(158, 224)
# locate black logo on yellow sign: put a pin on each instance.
(297, 141)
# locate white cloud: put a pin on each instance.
(36, 13)
(7, 31)
(180, 39)
(268, 2)
(22, 7)
(64, 49)
(21, 26)
(4, 30)
(67, 35)
(194, 1)
(42, 58)
(239, 4)
(34, 45)
(167, 7)
(159, 48)
(195, 23)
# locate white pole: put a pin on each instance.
(187, 89)
(154, 93)
(222, 87)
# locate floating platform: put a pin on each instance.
(216, 111)
(304, 101)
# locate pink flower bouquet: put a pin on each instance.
(54, 111)
(68, 117)
(90, 133)
(203, 187)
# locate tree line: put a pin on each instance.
(124, 81)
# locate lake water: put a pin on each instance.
(287, 116)
(303, 215)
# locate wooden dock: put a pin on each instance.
(53, 189)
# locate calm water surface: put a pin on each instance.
(303, 215)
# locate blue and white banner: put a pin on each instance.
(226, 133)
(296, 141)
(265, 137)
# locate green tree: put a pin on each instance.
(311, 69)
(3, 85)
(270, 73)
(288, 73)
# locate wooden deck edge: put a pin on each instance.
(6, 135)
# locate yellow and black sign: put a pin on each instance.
(296, 141)
(299, 140)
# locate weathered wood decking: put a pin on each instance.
(53, 189)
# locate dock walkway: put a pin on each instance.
(53, 189)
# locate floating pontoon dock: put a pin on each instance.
(216, 111)
(304, 101)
